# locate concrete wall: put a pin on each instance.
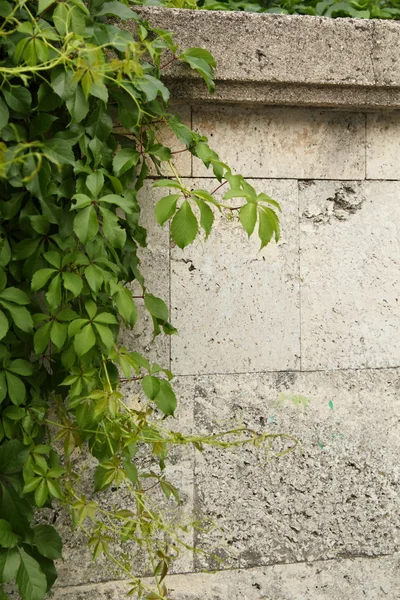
(316, 316)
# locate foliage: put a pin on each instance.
(81, 106)
(365, 9)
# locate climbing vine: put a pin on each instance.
(82, 104)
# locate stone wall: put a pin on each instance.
(315, 317)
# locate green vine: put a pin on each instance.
(81, 107)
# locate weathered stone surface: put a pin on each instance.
(282, 59)
(278, 48)
(350, 274)
(356, 579)
(338, 498)
(284, 143)
(236, 309)
(383, 145)
(155, 269)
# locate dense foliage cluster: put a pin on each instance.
(81, 106)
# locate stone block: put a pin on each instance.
(355, 579)
(350, 277)
(287, 143)
(383, 145)
(335, 496)
(236, 309)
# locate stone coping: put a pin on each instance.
(292, 60)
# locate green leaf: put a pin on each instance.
(16, 389)
(165, 400)
(126, 306)
(3, 386)
(94, 277)
(248, 217)
(156, 307)
(95, 183)
(151, 87)
(58, 334)
(166, 207)
(15, 295)
(59, 151)
(167, 183)
(41, 338)
(30, 579)
(61, 82)
(13, 454)
(116, 9)
(47, 541)
(41, 277)
(53, 295)
(4, 114)
(124, 203)
(21, 367)
(184, 226)
(77, 104)
(111, 229)
(124, 160)
(130, 471)
(54, 258)
(3, 325)
(41, 493)
(20, 315)
(18, 98)
(201, 61)
(265, 228)
(151, 386)
(43, 4)
(86, 224)
(9, 564)
(105, 334)
(8, 539)
(84, 340)
(206, 216)
(73, 283)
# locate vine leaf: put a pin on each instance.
(30, 579)
(184, 226)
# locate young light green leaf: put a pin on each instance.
(4, 326)
(265, 228)
(166, 207)
(41, 277)
(206, 216)
(124, 160)
(72, 282)
(248, 217)
(16, 389)
(184, 226)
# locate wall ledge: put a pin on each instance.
(286, 60)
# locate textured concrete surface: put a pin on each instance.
(315, 61)
(284, 143)
(350, 284)
(383, 145)
(237, 309)
(355, 579)
(338, 498)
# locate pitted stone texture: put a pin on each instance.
(78, 565)
(277, 48)
(350, 276)
(284, 142)
(357, 579)
(235, 308)
(155, 269)
(383, 145)
(340, 497)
